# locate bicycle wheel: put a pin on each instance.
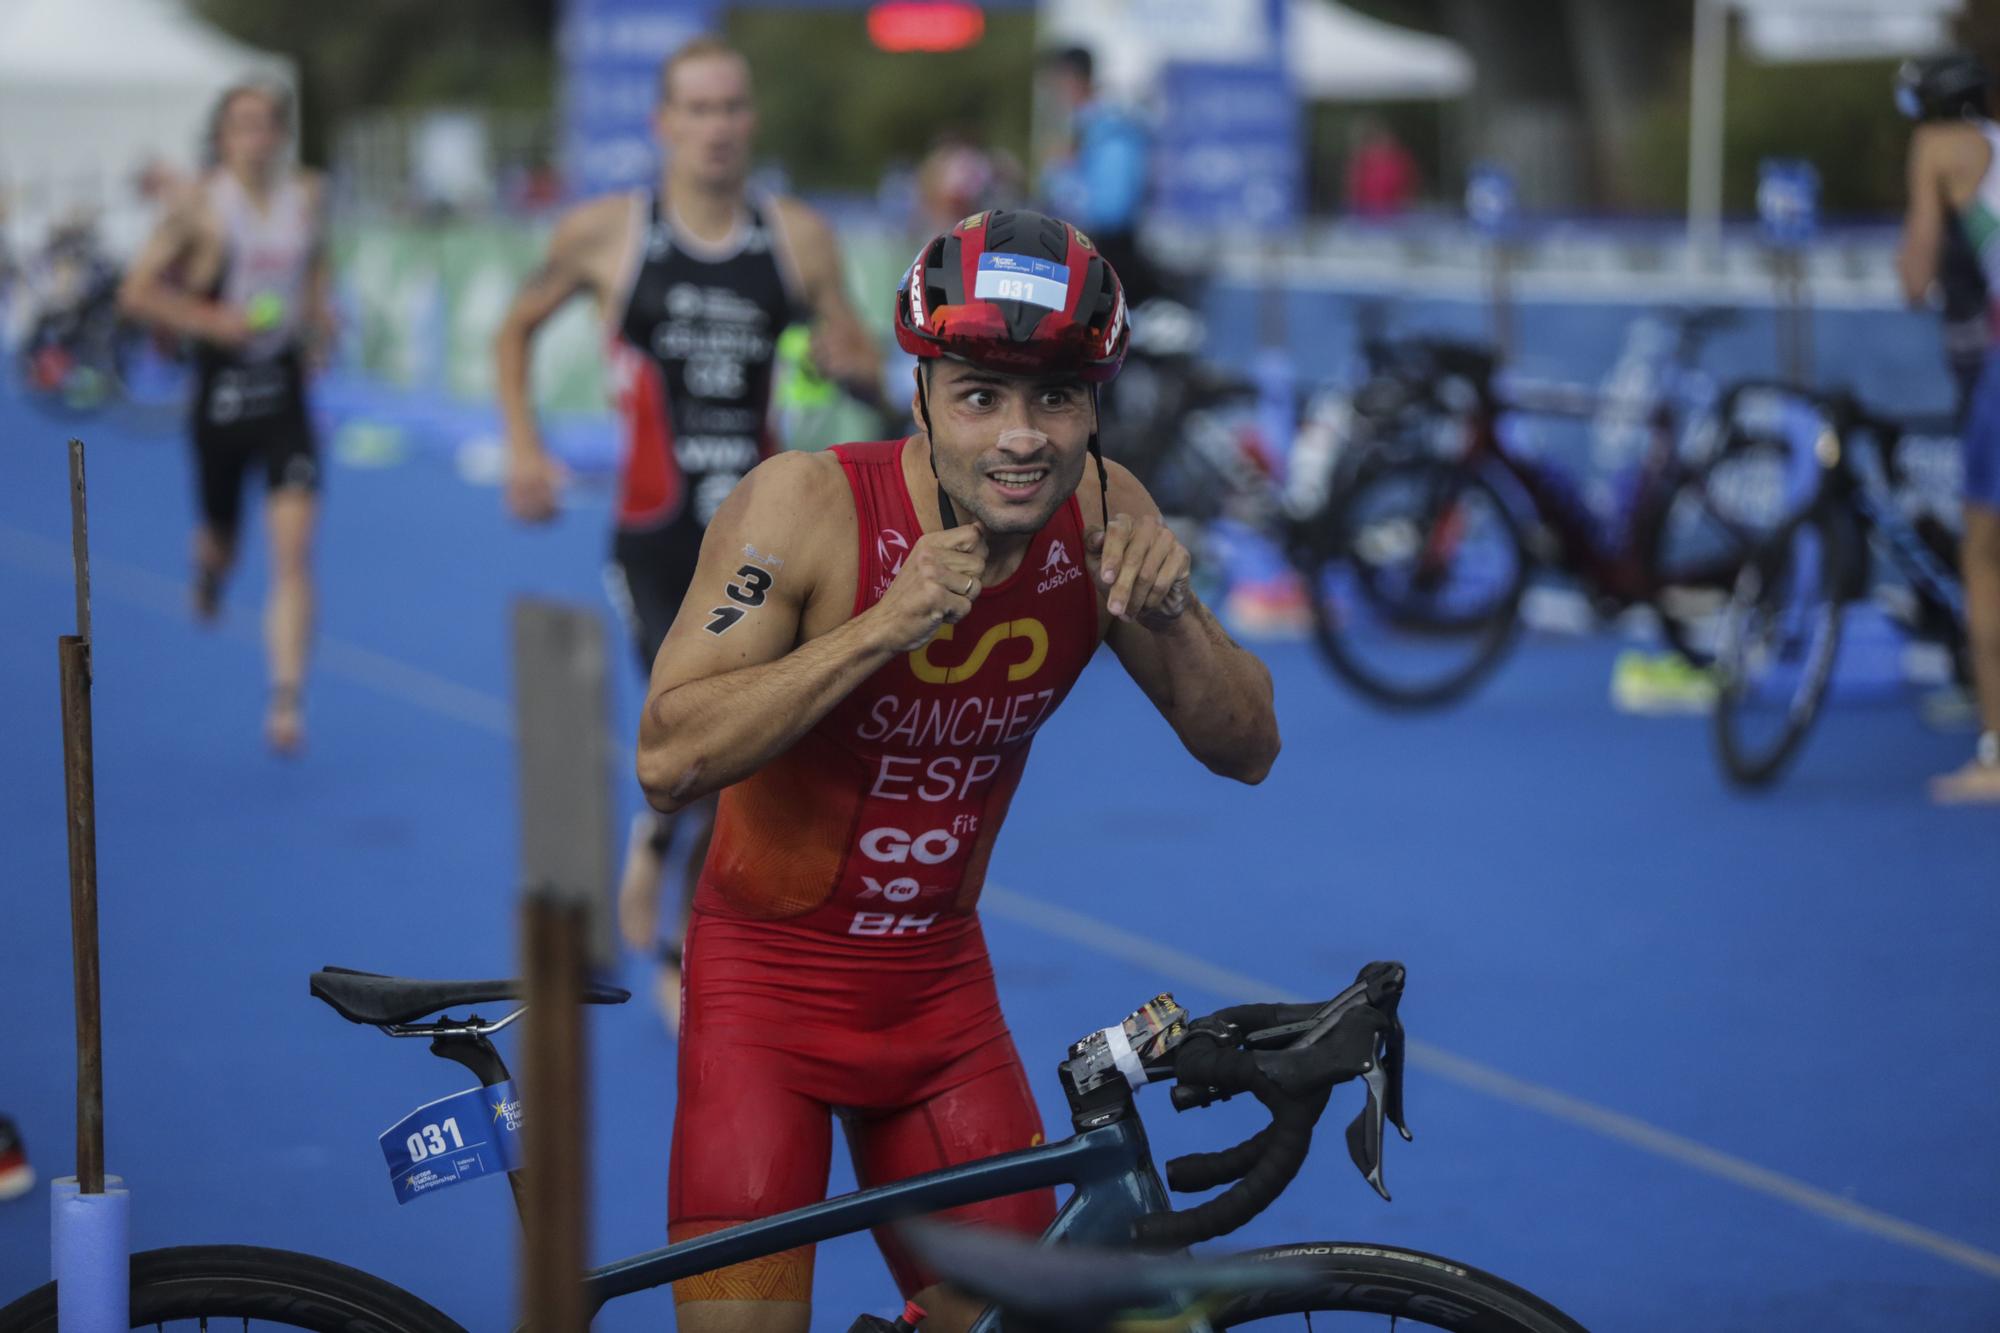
(1379, 1287)
(1780, 637)
(1416, 581)
(1696, 540)
(252, 1287)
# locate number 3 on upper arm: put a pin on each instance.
(749, 593)
(758, 580)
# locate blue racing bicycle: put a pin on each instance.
(1289, 1057)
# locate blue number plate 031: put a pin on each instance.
(1006, 277)
(462, 1137)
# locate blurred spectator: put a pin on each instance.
(960, 177)
(1096, 174)
(1381, 173)
(158, 182)
(16, 1176)
(530, 187)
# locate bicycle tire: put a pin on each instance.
(1490, 633)
(1744, 763)
(1417, 1289)
(1734, 525)
(279, 1287)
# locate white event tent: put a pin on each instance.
(1331, 52)
(93, 90)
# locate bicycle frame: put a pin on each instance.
(1110, 1165)
(1613, 565)
(1873, 501)
(1608, 564)
(1108, 1161)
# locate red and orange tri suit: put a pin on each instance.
(835, 961)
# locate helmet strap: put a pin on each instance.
(947, 515)
(1097, 455)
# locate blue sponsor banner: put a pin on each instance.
(1228, 150)
(611, 52)
(454, 1139)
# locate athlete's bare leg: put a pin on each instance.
(1979, 562)
(744, 1317)
(291, 513)
(639, 882)
(667, 985)
(214, 555)
(640, 890)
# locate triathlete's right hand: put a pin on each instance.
(936, 586)
(531, 486)
(224, 325)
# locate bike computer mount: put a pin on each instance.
(1103, 1068)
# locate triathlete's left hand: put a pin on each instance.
(1145, 567)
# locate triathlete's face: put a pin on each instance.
(251, 133)
(1009, 449)
(707, 121)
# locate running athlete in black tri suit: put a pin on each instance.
(695, 281)
(691, 359)
(249, 288)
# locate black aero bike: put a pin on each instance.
(1288, 1056)
(1782, 629)
(1417, 568)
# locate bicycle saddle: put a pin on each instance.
(370, 997)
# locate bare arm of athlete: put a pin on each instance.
(583, 243)
(734, 686)
(317, 318)
(1216, 696)
(147, 295)
(842, 349)
(1923, 219)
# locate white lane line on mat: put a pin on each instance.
(448, 698)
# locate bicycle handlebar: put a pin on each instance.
(1289, 1057)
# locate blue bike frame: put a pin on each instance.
(1111, 1167)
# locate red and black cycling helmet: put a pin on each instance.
(1017, 292)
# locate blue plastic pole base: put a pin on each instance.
(91, 1237)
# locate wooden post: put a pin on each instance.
(74, 656)
(80, 805)
(79, 539)
(553, 1237)
(561, 709)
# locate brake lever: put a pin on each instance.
(1383, 1079)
